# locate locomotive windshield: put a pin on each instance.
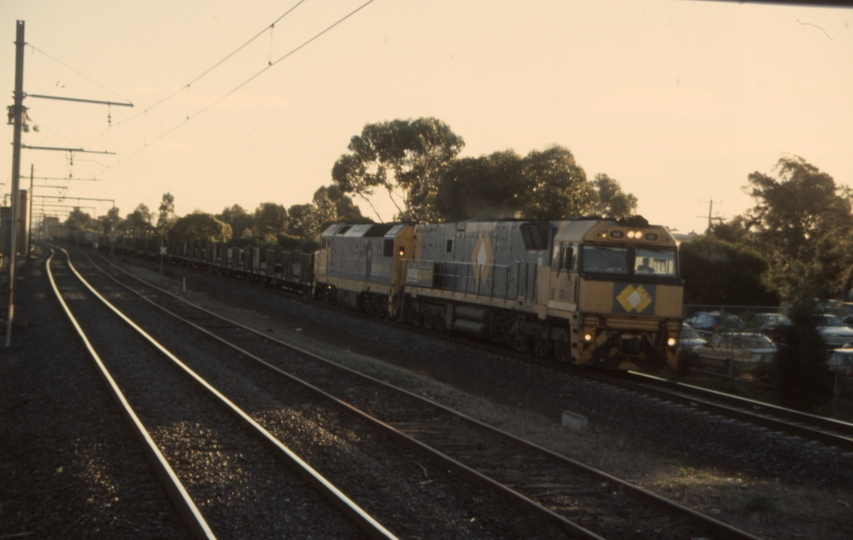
(605, 260)
(654, 262)
(629, 261)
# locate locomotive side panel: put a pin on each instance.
(361, 265)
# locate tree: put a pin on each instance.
(612, 201)
(78, 220)
(200, 227)
(735, 231)
(303, 221)
(333, 204)
(238, 218)
(138, 222)
(404, 158)
(802, 377)
(270, 221)
(555, 185)
(166, 214)
(802, 223)
(719, 272)
(109, 222)
(483, 187)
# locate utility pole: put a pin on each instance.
(17, 113)
(29, 228)
(711, 217)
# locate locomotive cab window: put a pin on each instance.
(388, 247)
(605, 260)
(449, 246)
(655, 262)
(629, 261)
(564, 258)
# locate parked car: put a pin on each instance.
(834, 332)
(732, 353)
(714, 321)
(840, 364)
(687, 340)
(772, 325)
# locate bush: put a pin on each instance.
(801, 370)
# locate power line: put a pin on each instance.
(77, 72)
(247, 81)
(235, 51)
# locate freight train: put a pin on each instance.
(585, 291)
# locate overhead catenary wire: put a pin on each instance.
(77, 72)
(242, 84)
(216, 65)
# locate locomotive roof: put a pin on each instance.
(364, 230)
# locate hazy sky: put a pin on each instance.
(678, 101)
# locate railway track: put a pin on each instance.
(222, 479)
(582, 499)
(828, 431)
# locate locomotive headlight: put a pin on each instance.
(587, 337)
(671, 342)
(630, 234)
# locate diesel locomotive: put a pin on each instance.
(586, 291)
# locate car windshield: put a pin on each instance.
(688, 333)
(829, 320)
(753, 342)
(773, 318)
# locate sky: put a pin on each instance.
(678, 101)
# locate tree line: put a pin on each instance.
(412, 162)
(793, 244)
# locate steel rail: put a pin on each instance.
(513, 496)
(362, 519)
(840, 434)
(790, 414)
(652, 498)
(190, 514)
(738, 408)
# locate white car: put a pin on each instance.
(834, 332)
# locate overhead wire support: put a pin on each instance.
(67, 149)
(79, 100)
(75, 71)
(66, 178)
